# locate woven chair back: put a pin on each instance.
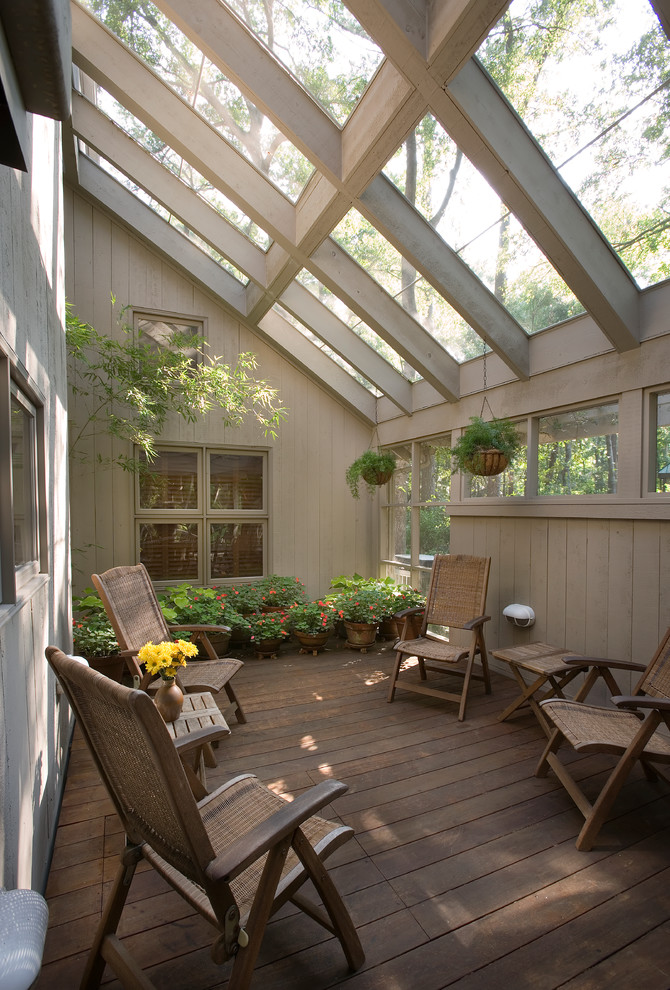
(138, 764)
(457, 593)
(656, 678)
(132, 607)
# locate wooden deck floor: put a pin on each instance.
(463, 871)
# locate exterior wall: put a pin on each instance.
(316, 529)
(595, 569)
(34, 722)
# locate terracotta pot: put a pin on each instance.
(220, 642)
(487, 462)
(360, 635)
(111, 666)
(312, 642)
(169, 699)
(267, 647)
(389, 629)
(239, 635)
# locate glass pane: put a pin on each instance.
(510, 482)
(170, 481)
(435, 470)
(236, 550)
(235, 481)
(434, 524)
(169, 551)
(663, 442)
(23, 484)
(401, 482)
(169, 334)
(399, 523)
(590, 82)
(578, 452)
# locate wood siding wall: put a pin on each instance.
(34, 719)
(316, 529)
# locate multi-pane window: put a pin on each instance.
(511, 482)
(202, 514)
(416, 518)
(169, 332)
(21, 486)
(578, 451)
(661, 411)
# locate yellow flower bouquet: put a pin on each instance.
(164, 658)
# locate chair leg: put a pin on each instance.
(343, 926)
(232, 697)
(394, 677)
(96, 962)
(555, 740)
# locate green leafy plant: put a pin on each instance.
(92, 632)
(374, 467)
(312, 617)
(268, 625)
(494, 434)
(360, 605)
(280, 592)
(127, 387)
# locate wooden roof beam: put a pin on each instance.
(404, 227)
(338, 270)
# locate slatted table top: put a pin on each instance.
(539, 658)
(200, 711)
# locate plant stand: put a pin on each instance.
(267, 649)
(360, 635)
(311, 642)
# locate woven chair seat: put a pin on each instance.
(587, 726)
(208, 675)
(431, 649)
(232, 811)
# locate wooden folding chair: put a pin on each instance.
(456, 600)
(236, 856)
(136, 617)
(630, 731)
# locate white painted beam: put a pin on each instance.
(318, 366)
(336, 269)
(490, 133)
(304, 305)
(413, 236)
(101, 134)
(241, 56)
(110, 63)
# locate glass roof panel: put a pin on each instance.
(410, 289)
(590, 81)
(320, 43)
(459, 203)
(158, 208)
(173, 161)
(181, 64)
(354, 322)
(333, 355)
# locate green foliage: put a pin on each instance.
(312, 617)
(268, 625)
(280, 592)
(92, 632)
(386, 596)
(361, 605)
(185, 603)
(367, 467)
(127, 387)
(500, 434)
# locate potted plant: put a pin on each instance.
(279, 592)
(374, 467)
(311, 624)
(268, 630)
(486, 447)
(93, 636)
(394, 598)
(184, 604)
(361, 612)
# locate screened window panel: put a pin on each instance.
(169, 550)
(578, 452)
(663, 442)
(236, 549)
(236, 481)
(512, 482)
(435, 470)
(434, 533)
(170, 481)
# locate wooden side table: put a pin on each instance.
(551, 676)
(199, 711)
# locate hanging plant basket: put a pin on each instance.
(374, 467)
(376, 478)
(487, 462)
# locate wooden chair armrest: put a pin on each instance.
(263, 837)
(641, 701)
(197, 627)
(208, 734)
(413, 610)
(479, 621)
